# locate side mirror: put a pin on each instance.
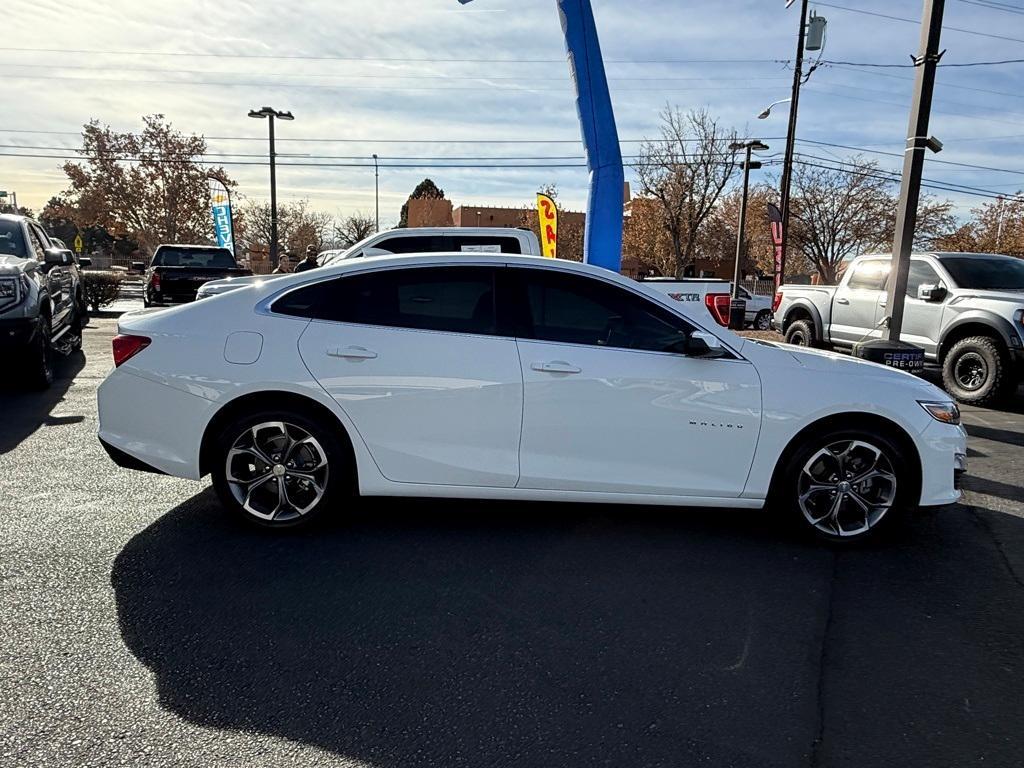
(55, 257)
(932, 293)
(704, 344)
(139, 266)
(84, 261)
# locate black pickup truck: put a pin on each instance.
(177, 271)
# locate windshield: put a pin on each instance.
(12, 243)
(997, 273)
(212, 258)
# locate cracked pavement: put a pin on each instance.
(138, 626)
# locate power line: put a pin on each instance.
(1015, 95)
(918, 21)
(387, 59)
(994, 6)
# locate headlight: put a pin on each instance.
(947, 413)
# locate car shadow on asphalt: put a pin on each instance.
(24, 411)
(993, 433)
(422, 633)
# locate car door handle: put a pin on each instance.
(842, 301)
(352, 353)
(556, 366)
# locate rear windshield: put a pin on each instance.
(12, 243)
(993, 274)
(214, 258)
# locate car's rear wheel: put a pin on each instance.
(763, 320)
(280, 469)
(846, 485)
(801, 333)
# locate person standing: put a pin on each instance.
(309, 262)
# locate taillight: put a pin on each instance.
(718, 306)
(154, 281)
(127, 346)
(776, 301)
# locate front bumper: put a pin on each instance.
(943, 449)
(17, 333)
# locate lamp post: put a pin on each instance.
(376, 191)
(269, 113)
(749, 146)
(764, 113)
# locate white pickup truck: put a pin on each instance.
(409, 240)
(966, 310)
(714, 294)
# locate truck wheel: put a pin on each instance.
(975, 370)
(763, 320)
(802, 334)
(39, 360)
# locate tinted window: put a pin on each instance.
(212, 258)
(38, 244)
(869, 275)
(580, 310)
(415, 244)
(454, 299)
(12, 242)
(921, 273)
(995, 273)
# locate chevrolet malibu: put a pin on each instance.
(508, 377)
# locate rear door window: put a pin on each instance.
(869, 275)
(481, 244)
(453, 299)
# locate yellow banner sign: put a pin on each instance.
(547, 217)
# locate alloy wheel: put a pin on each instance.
(277, 471)
(846, 488)
(970, 371)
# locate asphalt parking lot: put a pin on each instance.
(138, 626)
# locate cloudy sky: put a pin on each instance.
(428, 83)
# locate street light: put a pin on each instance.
(263, 114)
(768, 110)
(376, 190)
(750, 146)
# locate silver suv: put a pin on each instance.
(965, 309)
(42, 307)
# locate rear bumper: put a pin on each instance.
(152, 426)
(17, 333)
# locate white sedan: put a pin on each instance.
(505, 377)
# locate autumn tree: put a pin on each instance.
(425, 190)
(149, 185)
(686, 171)
(646, 247)
(995, 227)
(839, 213)
(353, 228)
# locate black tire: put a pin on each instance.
(38, 367)
(802, 334)
(75, 332)
(818, 462)
(975, 370)
(254, 494)
(763, 321)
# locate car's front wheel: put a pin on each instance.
(39, 357)
(974, 371)
(280, 469)
(846, 485)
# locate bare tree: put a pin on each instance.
(839, 213)
(351, 229)
(686, 171)
(297, 226)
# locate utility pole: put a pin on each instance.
(913, 161)
(748, 165)
(787, 163)
(376, 191)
